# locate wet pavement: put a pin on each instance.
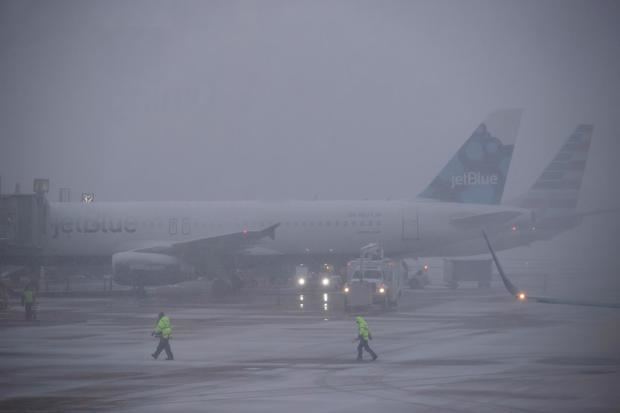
(442, 350)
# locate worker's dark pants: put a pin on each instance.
(363, 345)
(164, 344)
(29, 313)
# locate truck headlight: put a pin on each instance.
(346, 290)
(325, 282)
(301, 281)
(381, 290)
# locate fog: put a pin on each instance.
(209, 100)
(148, 100)
(271, 100)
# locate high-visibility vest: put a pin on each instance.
(28, 297)
(362, 326)
(164, 327)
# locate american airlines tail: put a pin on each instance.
(477, 172)
(556, 191)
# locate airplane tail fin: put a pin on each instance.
(477, 173)
(556, 191)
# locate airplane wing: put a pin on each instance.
(597, 212)
(226, 244)
(522, 296)
(485, 220)
(258, 250)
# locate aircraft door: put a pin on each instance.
(411, 223)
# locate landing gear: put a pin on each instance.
(414, 284)
(138, 287)
(225, 286)
(220, 288)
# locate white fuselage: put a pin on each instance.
(313, 227)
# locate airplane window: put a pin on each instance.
(185, 226)
(172, 226)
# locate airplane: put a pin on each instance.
(551, 201)
(521, 295)
(159, 243)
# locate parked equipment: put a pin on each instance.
(416, 273)
(374, 279)
(457, 271)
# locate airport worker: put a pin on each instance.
(28, 298)
(163, 330)
(363, 336)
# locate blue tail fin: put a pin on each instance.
(556, 191)
(477, 172)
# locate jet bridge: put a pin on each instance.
(23, 224)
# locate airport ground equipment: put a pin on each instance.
(462, 270)
(378, 277)
(325, 280)
(416, 273)
(359, 294)
(301, 276)
(23, 224)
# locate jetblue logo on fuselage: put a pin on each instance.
(473, 178)
(92, 225)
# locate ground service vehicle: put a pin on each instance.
(456, 271)
(301, 276)
(377, 277)
(325, 280)
(416, 273)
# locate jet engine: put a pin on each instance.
(143, 269)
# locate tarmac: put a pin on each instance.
(442, 350)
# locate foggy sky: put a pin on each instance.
(225, 100)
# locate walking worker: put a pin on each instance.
(363, 336)
(163, 330)
(28, 299)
